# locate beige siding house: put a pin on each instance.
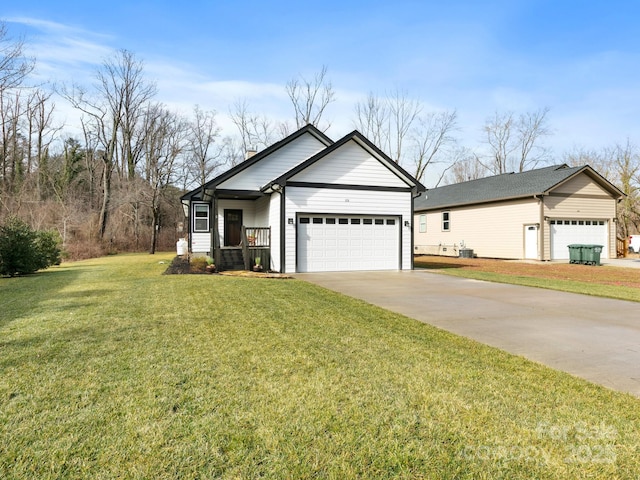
(528, 215)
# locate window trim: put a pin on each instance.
(422, 223)
(196, 218)
(446, 222)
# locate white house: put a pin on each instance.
(308, 204)
(529, 215)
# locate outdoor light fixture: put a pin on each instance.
(290, 221)
(406, 223)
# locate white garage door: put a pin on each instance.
(331, 243)
(567, 232)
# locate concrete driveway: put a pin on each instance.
(597, 339)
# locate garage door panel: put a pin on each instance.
(578, 231)
(347, 243)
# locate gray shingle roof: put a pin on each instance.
(498, 187)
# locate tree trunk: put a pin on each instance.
(154, 229)
(106, 194)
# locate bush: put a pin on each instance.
(48, 248)
(24, 250)
(198, 264)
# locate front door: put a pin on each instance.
(232, 227)
(531, 241)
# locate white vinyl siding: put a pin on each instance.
(274, 223)
(201, 232)
(350, 165)
(279, 162)
(346, 202)
(201, 242)
(261, 217)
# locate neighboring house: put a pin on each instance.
(307, 204)
(528, 215)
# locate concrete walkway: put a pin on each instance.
(594, 338)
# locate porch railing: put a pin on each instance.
(256, 244)
(622, 247)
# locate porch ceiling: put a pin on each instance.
(235, 194)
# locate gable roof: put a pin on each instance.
(508, 186)
(364, 143)
(211, 184)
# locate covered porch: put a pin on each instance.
(252, 250)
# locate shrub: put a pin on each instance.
(198, 264)
(48, 248)
(24, 250)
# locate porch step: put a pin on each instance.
(231, 259)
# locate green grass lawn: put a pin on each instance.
(109, 369)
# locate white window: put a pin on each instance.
(423, 223)
(201, 218)
(446, 221)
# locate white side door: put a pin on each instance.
(531, 242)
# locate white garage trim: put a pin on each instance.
(329, 242)
(577, 231)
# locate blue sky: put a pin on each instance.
(579, 58)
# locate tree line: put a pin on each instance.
(116, 186)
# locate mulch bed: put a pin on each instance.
(181, 266)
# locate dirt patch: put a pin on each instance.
(627, 277)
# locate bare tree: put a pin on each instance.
(40, 134)
(14, 66)
(125, 75)
(414, 139)
(372, 120)
(515, 142)
(255, 131)
(432, 138)
(598, 159)
(11, 155)
(465, 168)
(114, 109)
(403, 112)
(14, 70)
(388, 121)
(620, 164)
(310, 98)
(205, 157)
(164, 141)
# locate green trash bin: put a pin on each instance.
(591, 254)
(575, 253)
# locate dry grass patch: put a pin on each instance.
(614, 276)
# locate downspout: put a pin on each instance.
(541, 233)
(414, 195)
(283, 226)
(215, 251)
(186, 209)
